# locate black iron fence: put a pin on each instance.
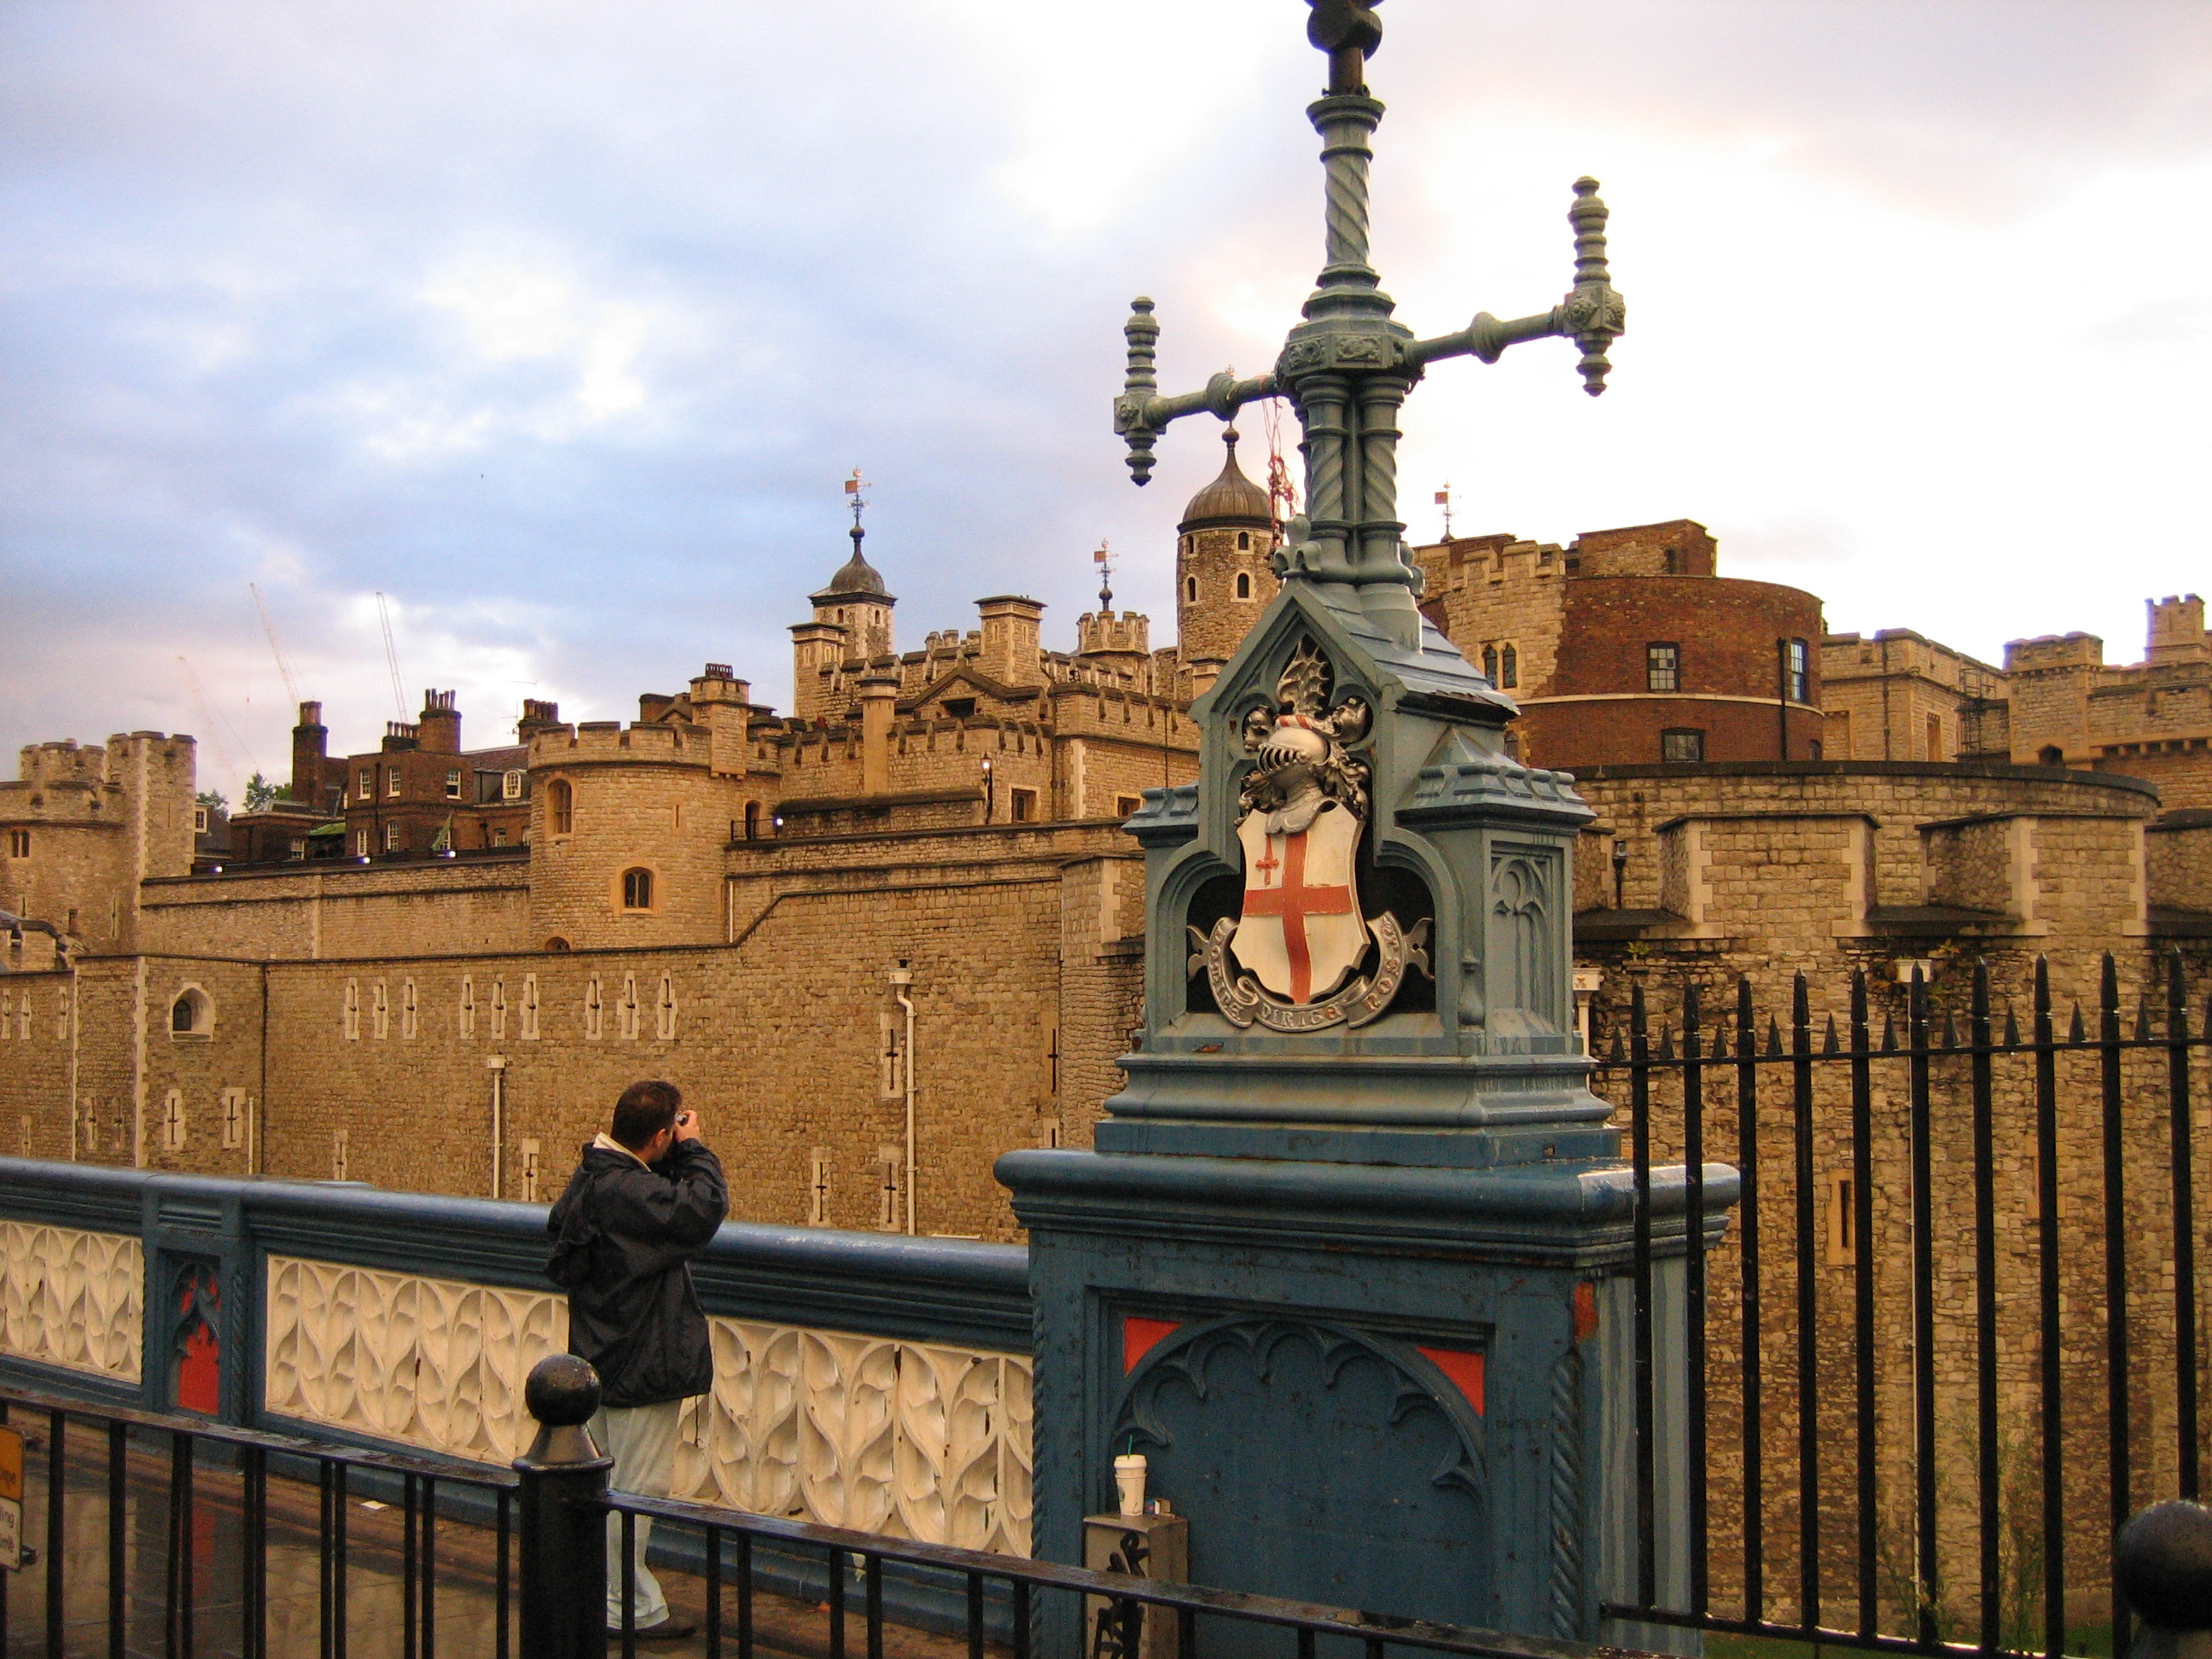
(126, 1495)
(130, 1502)
(1950, 1340)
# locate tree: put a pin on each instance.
(213, 799)
(259, 791)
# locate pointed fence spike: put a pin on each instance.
(1773, 1038)
(2012, 1028)
(2142, 1019)
(1889, 1034)
(1666, 1042)
(2075, 1034)
(1614, 1056)
(1950, 1030)
(1832, 1046)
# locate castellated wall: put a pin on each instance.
(1026, 982)
(1767, 870)
(343, 910)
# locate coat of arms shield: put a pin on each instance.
(1300, 931)
(1291, 959)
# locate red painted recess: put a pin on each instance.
(1585, 1311)
(1464, 1367)
(1141, 1336)
(199, 1366)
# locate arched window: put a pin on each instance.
(752, 820)
(192, 1014)
(561, 805)
(1509, 668)
(2053, 755)
(1190, 590)
(1489, 664)
(1243, 541)
(637, 890)
(557, 944)
(1243, 584)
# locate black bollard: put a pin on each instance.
(564, 1530)
(2162, 1561)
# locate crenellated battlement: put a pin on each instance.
(2050, 651)
(1102, 632)
(611, 743)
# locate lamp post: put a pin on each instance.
(1348, 367)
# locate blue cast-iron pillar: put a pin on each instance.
(1350, 1260)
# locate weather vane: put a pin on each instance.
(1103, 558)
(1347, 367)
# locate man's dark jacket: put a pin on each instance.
(627, 1234)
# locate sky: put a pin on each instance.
(560, 324)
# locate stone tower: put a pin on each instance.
(852, 623)
(1225, 575)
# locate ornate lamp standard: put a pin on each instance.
(1352, 1257)
(1348, 367)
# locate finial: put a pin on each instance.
(1443, 500)
(1593, 313)
(1132, 410)
(1103, 558)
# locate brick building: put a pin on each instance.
(1625, 647)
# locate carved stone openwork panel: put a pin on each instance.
(432, 1362)
(913, 1439)
(74, 1299)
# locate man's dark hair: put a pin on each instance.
(644, 1110)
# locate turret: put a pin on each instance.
(1225, 575)
(2176, 630)
(1010, 654)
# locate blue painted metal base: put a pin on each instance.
(1369, 1385)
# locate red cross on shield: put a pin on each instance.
(1300, 931)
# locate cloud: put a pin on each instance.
(559, 323)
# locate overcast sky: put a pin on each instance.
(561, 324)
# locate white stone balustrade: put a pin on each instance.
(72, 1297)
(920, 1440)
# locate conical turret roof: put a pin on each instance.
(1230, 499)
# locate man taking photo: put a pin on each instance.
(646, 1198)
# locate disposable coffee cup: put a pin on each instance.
(1129, 1477)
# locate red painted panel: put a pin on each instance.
(1585, 1311)
(199, 1366)
(1141, 1336)
(1465, 1369)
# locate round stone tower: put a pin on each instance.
(1222, 576)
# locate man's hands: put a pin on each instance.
(687, 1125)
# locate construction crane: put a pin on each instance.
(390, 655)
(213, 719)
(283, 668)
